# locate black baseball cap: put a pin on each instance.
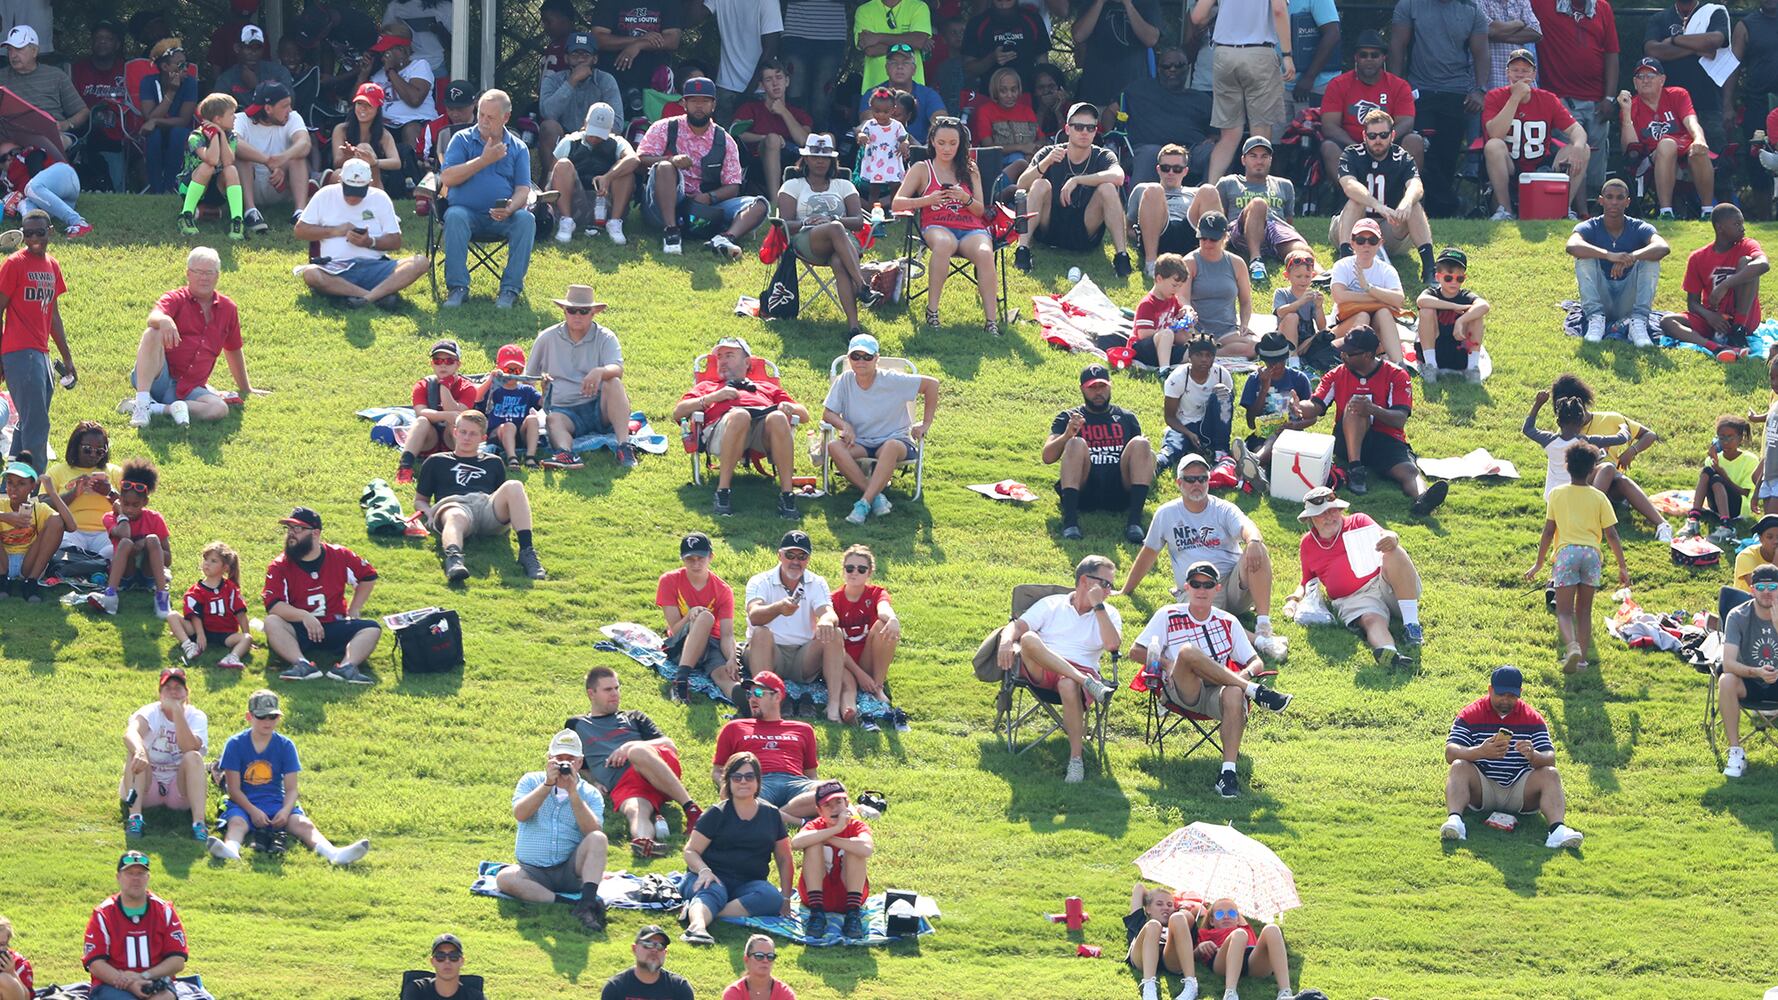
(1651, 64)
(1765, 524)
(1095, 373)
(447, 939)
(446, 347)
(1359, 340)
(302, 517)
(695, 544)
(459, 94)
(1452, 255)
(1763, 573)
(131, 858)
(647, 931)
(1204, 567)
(1506, 680)
(1213, 226)
(268, 93)
(795, 539)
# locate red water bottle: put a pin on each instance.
(1073, 913)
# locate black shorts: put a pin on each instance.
(1381, 452)
(1714, 477)
(1759, 692)
(334, 634)
(1448, 351)
(1145, 352)
(1179, 237)
(711, 659)
(216, 638)
(1067, 228)
(1102, 492)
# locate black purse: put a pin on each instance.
(427, 640)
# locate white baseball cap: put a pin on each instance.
(252, 33)
(566, 742)
(599, 119)
(21, 36)
(355, 174)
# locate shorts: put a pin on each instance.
(585, 418)
(1149, 355)
(1207, 703)
(870, 450)
(1759, 692)
(800, 243)
(1575, 565)
(165, 791)
(756, 436)
(561, 877)
(959, 232)
(1449, 353)
(711, 659)
(1768, 489)
(1249, 86)
(759, 898)
(584, 201)
(162, 388)
(96, 542)
(480, 509)
(833, 884)
(1047, 681)
(1104, 492)
(1497, 797)
(334, 635)
(1712, 477)
(230, 811)
(217, 638)
(1278, 234)
(1180, 237)
(779, 787)
(1067, 226)
(1381, 451)
(632, 785)
(365, 272)
(790, 663)
(1233, 597)
(1375, 597)
(691, 213)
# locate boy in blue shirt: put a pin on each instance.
(260, 768)
(513, 406)
(1268, 393)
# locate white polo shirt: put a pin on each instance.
(796, 629)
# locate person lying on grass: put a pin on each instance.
(1229, 945)
(1162, 932)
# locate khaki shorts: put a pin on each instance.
(480, 509)
(1208, 702)
(1233, 597)
(1497, 797)
(1249, 87)
(756, 436)
(1374, 598)
(790, 664)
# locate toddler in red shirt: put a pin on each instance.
(214, 610)
(138, 538)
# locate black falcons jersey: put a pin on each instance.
(1385, 179)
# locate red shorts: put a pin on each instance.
(1048, 681)
(634, 786)
(833, 886)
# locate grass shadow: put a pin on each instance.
(1038, 798)
(1519, 861)
(547, 925)
(1749, 802)
(37, 644)
(1586, 730)
(841, 969)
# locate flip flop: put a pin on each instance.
(697, 937)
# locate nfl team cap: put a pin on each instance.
(302, 517)
(1189, 461)
(599, 119)
(268, 93)
(1506, 680)
(388, 42)
(698, 86)
(132, 859)
(566, 742)
(1319, 501)
(459, 94)
(1649, 64)
(508, 355)
(768, 679)
(355, 177)
(1522, 55)
(252, 34)
(580, 41)
(1256, 142)
(21, 36)
(263, 705)
(445, 346)
(1366, 226)
(863, 342)
(1094, 373)
(648, 932)
(1204, 568)
(1453, 255)
(828, 789)
(1213, 226)
(796, 539)
(695, 544)
(369, 93)
(172, 673)
(1359, 340)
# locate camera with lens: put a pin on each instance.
(162, 985)
(743, 384)
(564, 769)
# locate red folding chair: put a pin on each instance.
(691, 429)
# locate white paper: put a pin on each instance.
(1361, 550)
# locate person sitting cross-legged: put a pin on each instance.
(632, 763)
(306, 606)
(867, 406)
(1502, 760)
(1721, 286)
(260, 769)
(561, 844)
(836, 847)
(464, 492)
(357, 228)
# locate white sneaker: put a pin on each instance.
(1639, 332)
(670, 245)
(180, 411)
(219, 848)
(1076, 773)
(350, 853)
(1188, 989)
(188, 650)
(1664, 533)
(1562, 836)
(139, 414)
(1737, 765)
(1595, 329)
(1501, 215)
(1453, 829)
(1286, 995)
(727, 248)
(565, 229)
(1098, 690)
(1150, 990)
(1231, 994)
(615, 230)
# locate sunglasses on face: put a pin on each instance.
(794, 556)
(652, 945)
(763, 956)
(1451, 277)
(514, 370)
(1168, 67)
(448, 956)
(1224, 914)
(1194, 479)
(1171, 168)
(746, 775)
(1365, 241)
(861, 356)
(1201, 584)
(34, 231)
(860, 568)
(578, 310)
(1101, 581)
(131, 487)
(444, 359)
(1083, 126)
(1376, 135)
(1765, 588)
(761, 692)
(84, 447)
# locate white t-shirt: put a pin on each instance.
(163, 740)
(1173, 628)
(796, 629)
(741, 23)
(395, 110)
(428, 45)
(1194, 399)
(831, 202)
(1213, 535)
(1072, 636)
(374, 212)
(268, 137)
(1381, 274)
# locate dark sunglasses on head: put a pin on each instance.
(1376, 135)
(1365, 241)
(860, 356)
(133, 487)
(1201, 584)
(1171, 168)
(857, 568)
(577, 310)
(448, 956)
(1083, 126)
(763, 956)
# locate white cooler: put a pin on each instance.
(1301, 461)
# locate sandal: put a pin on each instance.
(697, 937)
(531, 462)
(512, 461)
(932, 318)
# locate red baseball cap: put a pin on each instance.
(388, 42)
(370, 93)
(172, 673)
(768, 679)
(510, 354)
(1367, 226)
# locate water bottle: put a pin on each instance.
(601, 208)
(1257, 270)
(1073, 275)
(661, 833)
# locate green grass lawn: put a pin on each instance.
(1671, 895)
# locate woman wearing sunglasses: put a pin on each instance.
(757, 981)
(729, 854)
(1228, 943)
(86, 480)
(869, 626)
(167, 99)
(447, 981)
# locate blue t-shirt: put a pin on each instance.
(150, 90)
(551, 835)
(927, 102)
(493, 184)
(1307, 19)
(1291, 381)
(509, 406)
(1637, 234)
(262, 774)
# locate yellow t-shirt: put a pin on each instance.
(1605, 424)
(1581, 513)
(1745, 563)
(1740, 468)
(14, 540)
(89, 509)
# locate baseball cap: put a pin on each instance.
(1188, 461)
(171, 673)
(1506, 680)
(1522, 55)
(647, 931)
(698, 86)
(1763, 573)
(1095, 373)
(768, 679)
(509, 354)
(1359, 340)
(369, 93)
(732, 342)
(1213, 226)
(599, 119)
(302, 517)
(388, 42)
(1762, 525)
(446, 346)
(1273, 347)
(252, 33)
(1650, 64)
(863, 342)
(1084, 108)
(1256, 142)
(459, 94)
(21, 470)
(795, 539)
(21, 36)
(447, 939)
(580, 41)
(268, 93)
(827, 790)
(355, 177)
(695, 544)
(1370, 38)
(130, 859)
(1203, 567)
(1319, 501)
(263, 705)
(1452, 255)
(567, 741)
(1367, 226)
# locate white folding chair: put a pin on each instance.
(918, 461)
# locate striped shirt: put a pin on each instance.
(818, 20)
(1477, 722)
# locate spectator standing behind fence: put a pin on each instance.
(1579, 64)
(1005, 33)
(634, 38)
(1512, 25)
(1111, 42)
(1441, 47)
(879, 24)
(749, 31)
(428, 23)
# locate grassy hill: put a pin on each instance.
(1671, 894)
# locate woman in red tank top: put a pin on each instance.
(948, 193)
(867, 622)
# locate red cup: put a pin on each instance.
(1073, 913)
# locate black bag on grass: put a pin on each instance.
(427, 640)
(781, 298)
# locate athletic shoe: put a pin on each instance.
(350, 673)
(1665, 215)
(1472, 372)
(1273, 701)
(1076, 772)
(1390, 657)
(180, 411)
(1737, 765)
(725, 247)
(219, 848)
(1134, 534)
(1639, 332)
(1188, 989)
(255, 221)
(200, 832)
(564, 460)
(681, 693)
(1664, 533)
(1574, 661)
(454, 570)
(814, 925)
(1120, 264)
(78, 230)
(230, 662)
(188, 224)
(1357, 479)
(1072, 533)
(724, 504)
(626, 455)
(188, 650)
(1501, 215)
(880, 505)
(506, 299)
(350, 853)
(1706, 212)
(1429, 371)
(1453, 829)
(787, 508)
(1691, 529)
(1256, 271)
(1150, 990)
(615, 230)
(565, 229)
(1021, 258)
(404, 475)
(140, 414)
(529, 563)
(237, 230)
(692, 812)
(455, 297)
(1562, 835)
(301, 670)
(670, 242)
(163, 604)
(1414, 634)
(106, 602)
(852, 928)
(1226, 785)
(1595, 329)
(590, 913)
(860, 513)
(1099, 691)
(132, 827)
(1429, 501)
(1723, 535)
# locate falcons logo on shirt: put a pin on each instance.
(467, 474)
(1362, 108)
(1661, 127)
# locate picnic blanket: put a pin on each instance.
(184, 987)
(619, 889)
(392, 423)
(1085, 320)
(1474, 465)
(640, 643)
(1759, 343)
(1010, 490)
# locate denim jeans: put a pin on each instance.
(55, 190)
(166, 156)
(759, 898)
(32, 385)
(520, 230)
(813, 65)
(1618, 300)
(1212, 432)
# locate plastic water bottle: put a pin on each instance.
(1073, 275)
(1257, 270)
(601, 208)
(661, 833)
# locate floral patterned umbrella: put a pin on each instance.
(1213, 862)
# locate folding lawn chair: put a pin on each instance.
(486, 253)
(988, 162)
(1021, 707)
(1164, 716)
(808, 270)
(1759, 719)
(691, 429)
(867, 464)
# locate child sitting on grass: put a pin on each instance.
(1162, 316)
(882, 150)
(214, 611)
(85, 479)
(1270, 392)
(210, 159)
(1577, 518)
(437, 400)
(1197, 402)
(260, 769)
(1161, 932)
(1726, 477)
(1764, 497)
(25, 530)
(1571, 419)
(1301, 309)
(1450, 326)
(513, 407)
(139, 539)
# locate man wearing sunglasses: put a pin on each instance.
(1057, 644)
(1749, 661)
(792, 628)
(31, 288)
(647, 979)
(742, 416)
(1521, 122)
(582, 367)
(1073, 189)
(1192, 649)
(1382, 182)
(879, 24)
(868, 409)
(1106, 463)
(786, 748)
(1164, 214)
(1368, 85)
(447, 981)
(133, 938)
(899, 66)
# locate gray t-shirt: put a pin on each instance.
(46, 87)
(879, 413)
(1243, 23)
(1214, 534)
(1237, 192)
(1754, 638)
(1282, 297)
(602, 734)
(1771, 458)
(555, 354)
(1439, 57)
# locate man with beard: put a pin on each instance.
(275, 140)
(647, 980)
(694, 175)
(306, 607)
(1106, 462)
(462, 492)
(1007, 33)
(1353, 94)
(100, 80)
(1382, 182)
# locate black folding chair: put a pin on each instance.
(1759, 718)
(1021, 707)
(988, 161)
(807, 270)
(486, 253)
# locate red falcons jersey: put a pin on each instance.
(1537, 123)
(321, 593)
(215, 609)
(133, 945)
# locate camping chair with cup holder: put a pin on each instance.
(988, 160)
(691, 429)
(1021, 708)
(1163, 717)
(917, 461)
(808, 270)
(1759, 718)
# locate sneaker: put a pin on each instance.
(1021, 258)
(1562, 835)
(188, 650)
(814, 925)
(1664, 533)
(1188, 989)
(1134, 534)
(725, 247)
(1453, 829)
(1429, 501)
(1428, 371)
(188, 224)
(787, 508)
(1737, 764)
(692, 813)
(237, 230)
(454, 570)
(1472, 372)
(1226, 785)
(1692, 529)
(1595, 329)
(590, 913)
(78, 230)
(349, 673)
(529, 562)
(200, 833)
(230, 662)
(1575, 661)
(163, 604)
(1665, 215)
(1150, 990)
(1120, 264)
(220, 848)
(1501, 215)
(852, 928)
(404, 475)
(132, 827)
(565, 229)
(1072, 533)
(1099, 691)
(1076, 772)
(1256, 271)
(1639, 332)
(1272, 701)
(255, 221)
(880, 505)
(1723, 535)
(105, 602)
(615, 230)
(1357, 479)
(180, 411)
(455, 297)
(1391, 658)
(301, 670)
(350, 853)
(860, 513)
(670, 242)
(681, 693)
(626, 455)
(1706, 212)
(506, 299)
(563, 460)
(140, 414)
(1414, 633)
(724, 504)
